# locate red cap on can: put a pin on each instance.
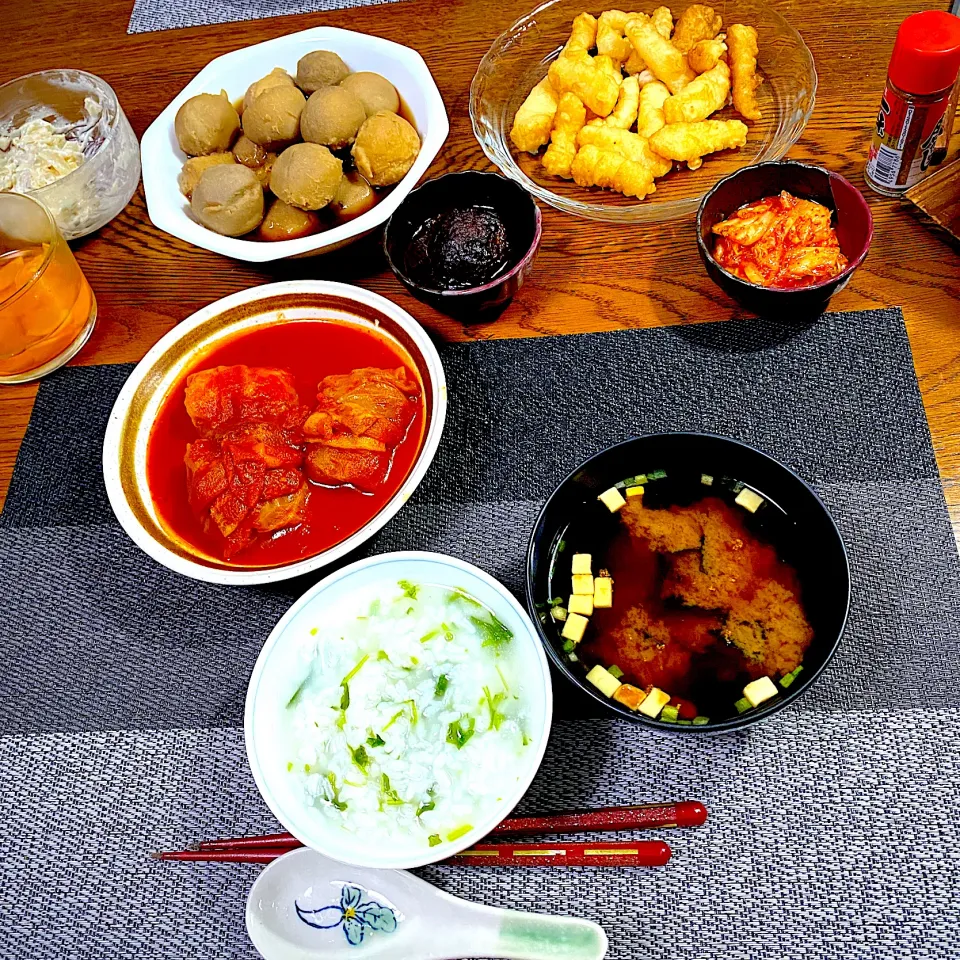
(926, 55)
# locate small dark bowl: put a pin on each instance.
(816, 551)
(852, 220)
(516, 208)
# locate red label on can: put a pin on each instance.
(904, 140)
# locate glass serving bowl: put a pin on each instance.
(521, 56)
(97, 190)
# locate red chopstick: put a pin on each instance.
(246, 843)
(686, 813)
(639, 853)
(266, 855)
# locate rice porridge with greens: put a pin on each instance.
(408, 719)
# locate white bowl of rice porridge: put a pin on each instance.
(398, 711)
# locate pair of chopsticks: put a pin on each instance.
(635, 853)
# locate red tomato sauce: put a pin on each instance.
(310, 350)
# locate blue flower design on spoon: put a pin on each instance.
(356, 915)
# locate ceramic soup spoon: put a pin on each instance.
(304, 906)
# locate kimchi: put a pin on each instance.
(781, 241)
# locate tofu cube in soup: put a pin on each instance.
(604, 681)
(581, 603)
(582, 563)
(583, 584)
(759, 691)
(574, 627)
(654, 702)
(630, 696)
(603, 592)
(634, 492)
(749, 499)
(612, 499)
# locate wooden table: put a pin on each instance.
(588, 277)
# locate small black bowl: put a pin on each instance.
(816, 551)
(517, 211)
(852, 221)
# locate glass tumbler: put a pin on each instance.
(47, 309)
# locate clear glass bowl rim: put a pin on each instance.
(643, 212)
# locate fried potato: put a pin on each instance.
(580, 74)
(706, 54)
(583, 35)
(668, 64)
(693, 141)
(698, 22)
(646, 76)
(699, 98)
(534, 120)
(662, 19)
(640, 148)
(621, 72)
(610, 68)
(624, 114)
(571, 116)
(629, 145)
(650, 116)
(742, 43)
(593, 167)
(635, 64)
(610, 39)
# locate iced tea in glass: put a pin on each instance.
(47, 309)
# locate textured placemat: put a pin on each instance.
(835, 826)
(150, 15)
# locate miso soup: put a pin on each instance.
(679, 596)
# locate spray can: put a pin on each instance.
(913, 108)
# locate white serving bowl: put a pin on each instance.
(142, 396)
(162, 158)
(269, 691)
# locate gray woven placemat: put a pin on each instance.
(151, 15)
(834, 826)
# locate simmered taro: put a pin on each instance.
(228, 198)
(296, 148)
